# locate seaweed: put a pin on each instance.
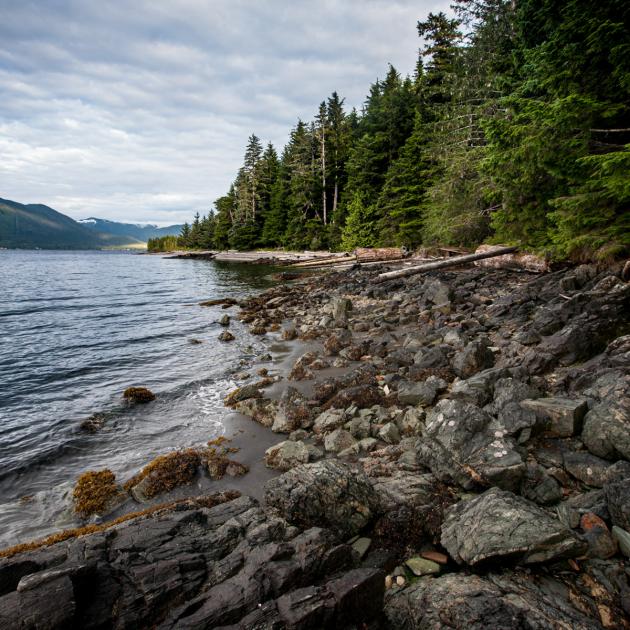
(94, 489)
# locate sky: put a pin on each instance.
(140, 110)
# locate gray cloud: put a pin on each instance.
(140, 111)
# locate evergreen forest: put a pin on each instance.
(514, 128)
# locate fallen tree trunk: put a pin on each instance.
(441, 264)
(373, 254)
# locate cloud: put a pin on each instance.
(141, 111)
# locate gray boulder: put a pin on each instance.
(413, 394)
(286, 455)
(328, 493)
(459, 444)
(505, 527)
(329, 421)
(338, 440)
(561, 417)
(506, 602)
(606, 431)
(594, 471)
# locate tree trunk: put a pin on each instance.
(440, 264)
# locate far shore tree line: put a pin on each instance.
(514, 128)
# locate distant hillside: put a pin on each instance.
(38, 226)
(35, 226)
(135, 232)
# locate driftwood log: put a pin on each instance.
(373, 254)
(441, 264)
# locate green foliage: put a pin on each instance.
(360, 228)
(163, 244)
(514, 128)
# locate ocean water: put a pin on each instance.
(76, 329)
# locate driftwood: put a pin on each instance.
(329, 260)
(440, 264)
(373, 254)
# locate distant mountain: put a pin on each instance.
(35, 226)
(138, 232)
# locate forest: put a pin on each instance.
(514, 128)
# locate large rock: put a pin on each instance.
(354, 598)
(460, 444)
(324, 494)
(561, 417)
(473, 602)
(286, 455)
(195, 565)
(410, 393)
(499, 525)
(606, 431)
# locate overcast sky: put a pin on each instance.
(139, 110)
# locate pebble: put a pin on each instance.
(400, 580)
(435, 556)
(623, 538)
(422, 566)
(361, 546)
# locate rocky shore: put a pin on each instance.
(453, 451)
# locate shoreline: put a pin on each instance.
(418, 409)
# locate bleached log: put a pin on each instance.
(441, 264)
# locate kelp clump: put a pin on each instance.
(138, 395)
(93, 491)
(166, 472)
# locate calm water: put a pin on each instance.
(76, 329)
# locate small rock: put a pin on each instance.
(328, 421)
(475, 357)
(225, 320)
(226, 335)
(338, 440)
(435, 556)
(416, 393)
(422, 566)
(389, 433)
(600, 542)
(400, 580)
(236, 469)
(623, 538)
(618, 499)
(361, 546)
(340, 307)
